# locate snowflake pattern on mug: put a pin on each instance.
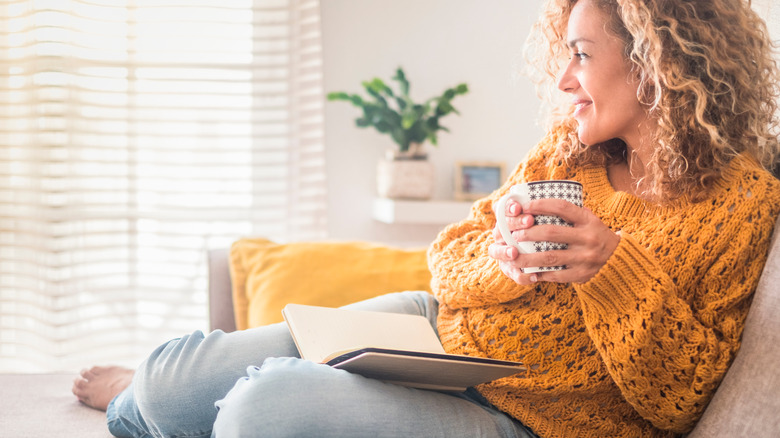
(566, 190)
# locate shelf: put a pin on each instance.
(394, 211)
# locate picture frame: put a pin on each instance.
(477, 179)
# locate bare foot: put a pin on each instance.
(97, 386)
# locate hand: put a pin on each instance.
(591, 243)
(506, 254)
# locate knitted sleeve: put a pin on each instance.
(666, 354)
(463, 273)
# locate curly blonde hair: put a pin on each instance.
(707, 75)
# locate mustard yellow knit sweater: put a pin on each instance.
(640, 348)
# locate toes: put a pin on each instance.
(95, 371)
(89, 374)
(78, 388)
(79, 383)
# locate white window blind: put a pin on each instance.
(134, 136)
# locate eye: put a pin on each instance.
(579, 55)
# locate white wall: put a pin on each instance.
(439, 43)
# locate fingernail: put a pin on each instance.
(513, 209)
(509, 252)
(533, 278)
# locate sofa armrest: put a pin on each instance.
(220, 291)
(747, 401)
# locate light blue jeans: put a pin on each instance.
(251, 383)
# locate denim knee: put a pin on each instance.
(294, 398)
(286, 397)
(163, 390)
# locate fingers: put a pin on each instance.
(497, 237)
(502, 252)
(510, 261)
(577, 253)
(583, 259)
(556, 207)
(515, 220)
(512, 208)
(516, 274)
(590, 243)
(507, 257)
(551, 233)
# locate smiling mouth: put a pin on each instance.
(579, 106)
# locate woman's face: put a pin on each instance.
(598, 78)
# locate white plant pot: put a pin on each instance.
(405, 179)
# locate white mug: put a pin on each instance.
(523, 193)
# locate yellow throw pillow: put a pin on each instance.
(266, 276)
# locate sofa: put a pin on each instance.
(747, 403)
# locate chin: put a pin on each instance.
(583, 137)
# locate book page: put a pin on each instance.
(321, 331)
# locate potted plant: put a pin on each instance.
(405, 173)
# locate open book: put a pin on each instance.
(392, 347)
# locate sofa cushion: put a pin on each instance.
(747, 402)
(28, 396)
(266, 275)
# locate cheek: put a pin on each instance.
(627, 103)
(624, 91)
(618, 104)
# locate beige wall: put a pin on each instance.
(770, 10)
(439, 43)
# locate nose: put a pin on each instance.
(567, 82)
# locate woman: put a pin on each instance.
(670, 109)
(670, 131)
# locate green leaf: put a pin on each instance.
(378, 97)
(399, 136)
(444, 108)
(356, 100)
(383, 126)
(411, 122)
(338, 96)
(377, 87)
(403, 83)
(410, 118)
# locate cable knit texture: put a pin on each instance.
(640, 348)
